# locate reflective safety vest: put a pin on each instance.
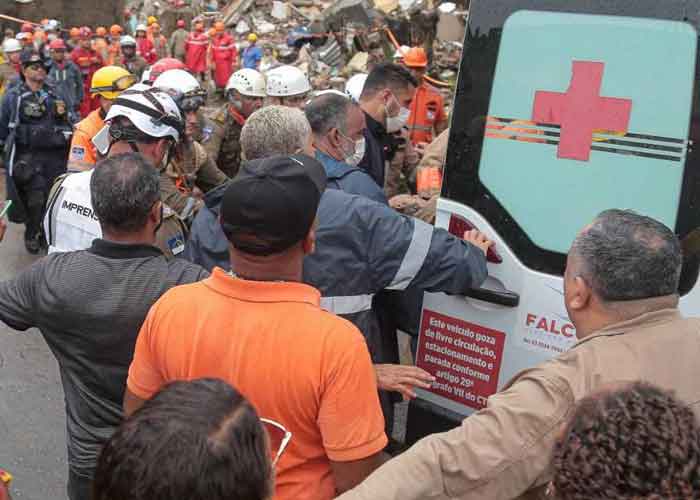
(70, 222)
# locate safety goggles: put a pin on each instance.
(119, 85)
(190, 103)
(279, 438)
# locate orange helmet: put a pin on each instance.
(101, 31)
(415, 58)
(115, 30)
(27, 28)
(219, 26)
(74, 32)
(165, 64)
(44, 22)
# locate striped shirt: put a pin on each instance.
(89, 306)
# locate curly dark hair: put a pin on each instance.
(638, 442)
(198, 440)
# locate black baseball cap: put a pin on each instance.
(272, 203)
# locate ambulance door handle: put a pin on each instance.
(501, 297)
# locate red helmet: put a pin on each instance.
(85, 33)
(165, 64)
(27, 28)
(57, 44)
(180, 23)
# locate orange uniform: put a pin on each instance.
(427, 109)
(297, 364)
(114, 53)
(83, 155)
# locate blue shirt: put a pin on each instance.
(252, 56)
(352, 180)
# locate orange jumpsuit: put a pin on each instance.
(88, 61)
(427, 109)
(224, 55)
(83, 155)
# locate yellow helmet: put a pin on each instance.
(111, 81)
(252, 37)
(152, 19)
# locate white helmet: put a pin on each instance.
(354, 86)
(141, 27)
(177, 80)
(127, 40)
(151, 110)
(287, 81)
(248, 82)
(11, 45)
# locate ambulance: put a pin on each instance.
(563, 109)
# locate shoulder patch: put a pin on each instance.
(176, 244)
(207, 132)
(77, 153)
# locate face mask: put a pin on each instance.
(396, 123)
(356, 158)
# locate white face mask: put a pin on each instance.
(359, 153)
(396, 123)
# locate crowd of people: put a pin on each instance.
(222, 291)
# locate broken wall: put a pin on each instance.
(70, 12)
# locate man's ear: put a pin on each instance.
(309, 243)
(579, 295)
(156, 213)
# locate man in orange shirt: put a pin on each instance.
(427, 119)
(263, 331)
(88, 62)
(107, 84)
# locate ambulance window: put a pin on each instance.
(567, 124)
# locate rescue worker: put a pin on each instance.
(164, 65)
(223, 55)
(107, 83)
(88, 61)
(65, 77)
(130, 21)
(427, 119)
(27, 40)
(176, 46)
(160, 43)
(196, 45)
(99, 43)
(245, 92)
(252, 54)
(191, 173)
(144, 46)
(150, 21)
(143, 120)
(73, 41)
(35, 132)
(114, 52)
(51, 28)
(288, 86)
(10, 69)
(130, 60)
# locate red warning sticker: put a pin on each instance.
(464, 357)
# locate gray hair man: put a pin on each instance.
(621, 293)
(89, 304)
(338, 127)
(362, 248)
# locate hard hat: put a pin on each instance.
(127, 41)
(11, 45)
(27, 28)
(180, 23)
(252, 37)
(24, 37)
(44, 22)
(183, 88)
(74, 32)
(354, 86)
(150, 110)
(415, 58)
(155, 26)
(111, 81)
(85, 32)
(101, 31)
(51, 25)
(401, 52)
(152, 19)
(248, 82)
(58, 44)
(115, 30)
(287, 81)
(219, 26)
(165, 64)
(141, 27)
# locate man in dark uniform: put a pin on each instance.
(35, 133)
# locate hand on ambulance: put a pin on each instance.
(403, 379)
(478, 239)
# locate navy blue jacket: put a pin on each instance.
(350, 179)
(362, 248)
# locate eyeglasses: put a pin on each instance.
(279, 438)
